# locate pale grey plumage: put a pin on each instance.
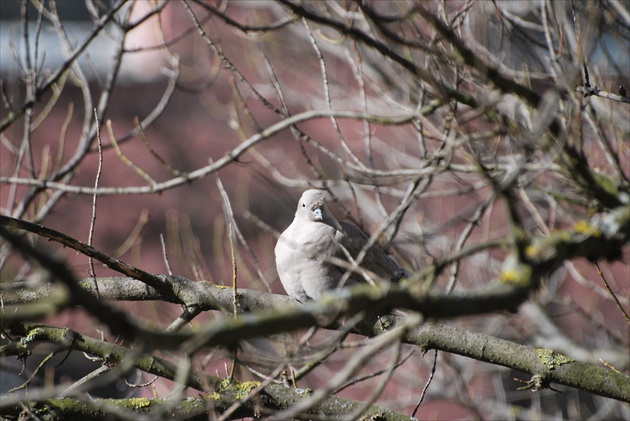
(305, 247)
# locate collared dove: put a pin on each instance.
(304, 249)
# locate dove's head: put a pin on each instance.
(312, 205)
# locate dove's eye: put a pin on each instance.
(303, 205)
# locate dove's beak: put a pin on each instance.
(318, 214)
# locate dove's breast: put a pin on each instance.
(302, 253)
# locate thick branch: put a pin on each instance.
(272, 316)
(222, 393)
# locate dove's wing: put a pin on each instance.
(376, 260)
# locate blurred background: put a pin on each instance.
(205, 77)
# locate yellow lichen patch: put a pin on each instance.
(586, 228)
(552, 359)
(509, 275)
(531, 251)
(214, 395)
(138, 403)
(244, 388)
(239, 390)
(564, 236)
(520, 275)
